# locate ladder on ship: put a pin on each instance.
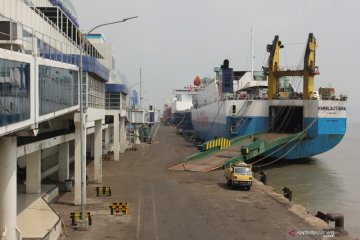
(237, 121)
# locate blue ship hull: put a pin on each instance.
(323, 134)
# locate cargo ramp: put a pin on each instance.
(216, 153)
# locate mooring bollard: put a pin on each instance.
(263, 177)
(287, 193)
(322, 216)
(338, 218)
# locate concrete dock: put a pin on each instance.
(165, 204)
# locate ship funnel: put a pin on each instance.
(225, 64)
(227, 78)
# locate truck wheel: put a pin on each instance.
(248, 188)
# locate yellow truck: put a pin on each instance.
(239, 174)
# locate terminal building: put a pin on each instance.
(40, 123)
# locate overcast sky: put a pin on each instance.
(175, 40)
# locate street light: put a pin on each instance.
(110, 23)
(82, 150)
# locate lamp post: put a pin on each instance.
(82, 124)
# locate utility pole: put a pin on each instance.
(140, 91)
(82, 122)
(82, 126)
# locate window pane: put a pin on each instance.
(14, 92)
(58, 89)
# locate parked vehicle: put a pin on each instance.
(239, 174)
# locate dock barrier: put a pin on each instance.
(76, 216)
(109, 156)
(103, 191)
(120, 207)
(220, 143)
(105, 157)
(131, 149)
(338, 218)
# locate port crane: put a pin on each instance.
(308, 72)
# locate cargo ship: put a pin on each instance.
(181, 106)
(167, 114)
(240, 103)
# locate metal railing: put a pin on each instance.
(47, 46)
(41, 14)
(88, 50)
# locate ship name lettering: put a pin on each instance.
(333, 108)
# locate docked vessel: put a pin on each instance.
(239, 103)
(180, 107)
(167, 114)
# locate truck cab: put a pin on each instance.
(239, 174)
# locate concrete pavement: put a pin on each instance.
(178, 205)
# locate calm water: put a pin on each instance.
(329, 182)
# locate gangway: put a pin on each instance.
(213, 155)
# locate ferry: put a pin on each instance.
(240, 103)
(180, 107)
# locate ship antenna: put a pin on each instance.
(252, 54)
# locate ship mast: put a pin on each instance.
(252, 54)
(140, 106)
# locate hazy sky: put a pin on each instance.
(175, 40)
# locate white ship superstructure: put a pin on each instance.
(181, 105)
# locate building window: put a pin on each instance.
(58, 89)
(96, 93)
(113, 100)
(14, 92)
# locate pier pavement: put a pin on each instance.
(165, 204)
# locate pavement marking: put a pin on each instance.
(138, 216)
(139, 202)
(154, 211)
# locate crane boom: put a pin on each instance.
(273, 80)
(309, 71)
